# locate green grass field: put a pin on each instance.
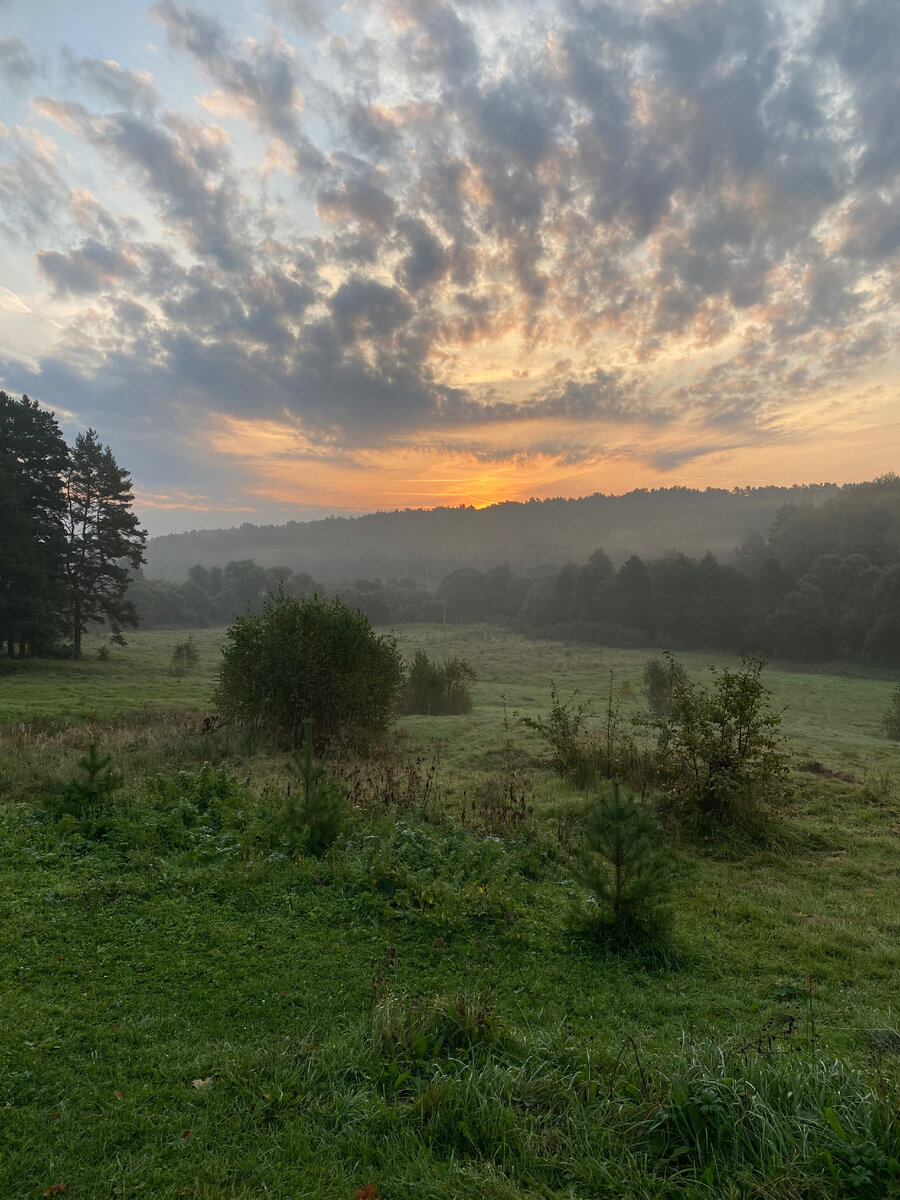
(413, 1013)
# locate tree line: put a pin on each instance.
(823, 584)
(427, 544)
(69, 541)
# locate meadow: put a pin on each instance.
(188, 1013)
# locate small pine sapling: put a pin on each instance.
(626, 868)
(185, 657)
(659, 679)
(315, 807)
(89, 798)
(890, 722)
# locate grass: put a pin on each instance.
(187, 1013)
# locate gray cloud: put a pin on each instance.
(182, 163)
(307, 15)
(260, 78)
(93, 267)
(32, 192)
(128, 89)
(608, 184)
(437, 41)
(17, 66)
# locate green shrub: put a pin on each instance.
(582, 754)
(720, 750)
(572, 752)
(890, 722)
(309, 659)
(438, 689)
(186, 808)
(626, 867)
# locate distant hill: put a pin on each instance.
(426, 544)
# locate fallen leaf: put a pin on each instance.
(120, 1095)
(186, 1134)
(56, 1189)
(202, 1084)
(54, 1116)
(369, 1192)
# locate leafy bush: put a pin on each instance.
(624, 864)
(564, 729)
(582, 754)
(309, 659)
(721, 751)
(438, 689)
(890, 722)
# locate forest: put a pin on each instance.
(427, 544)
(821, 583)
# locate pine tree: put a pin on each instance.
(33, 457)
(103, 538)
(627, 868)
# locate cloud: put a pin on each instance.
(17, 66)
(184, 164)
(260, 78)
(307, 15)
(127, 89)
(32, 191)
(451, 217)
(91, 268)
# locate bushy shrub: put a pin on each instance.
(564, 729)
(720, 749)
(583, 754)
(890, 722)
(438, 689)
(626, 867)
(309, 659)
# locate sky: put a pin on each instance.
(296, 257)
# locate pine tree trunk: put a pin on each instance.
(76, 631)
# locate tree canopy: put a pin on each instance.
(68, 537)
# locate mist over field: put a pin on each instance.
(427, 544)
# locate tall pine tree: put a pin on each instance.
(33, 458)
(103, 538)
